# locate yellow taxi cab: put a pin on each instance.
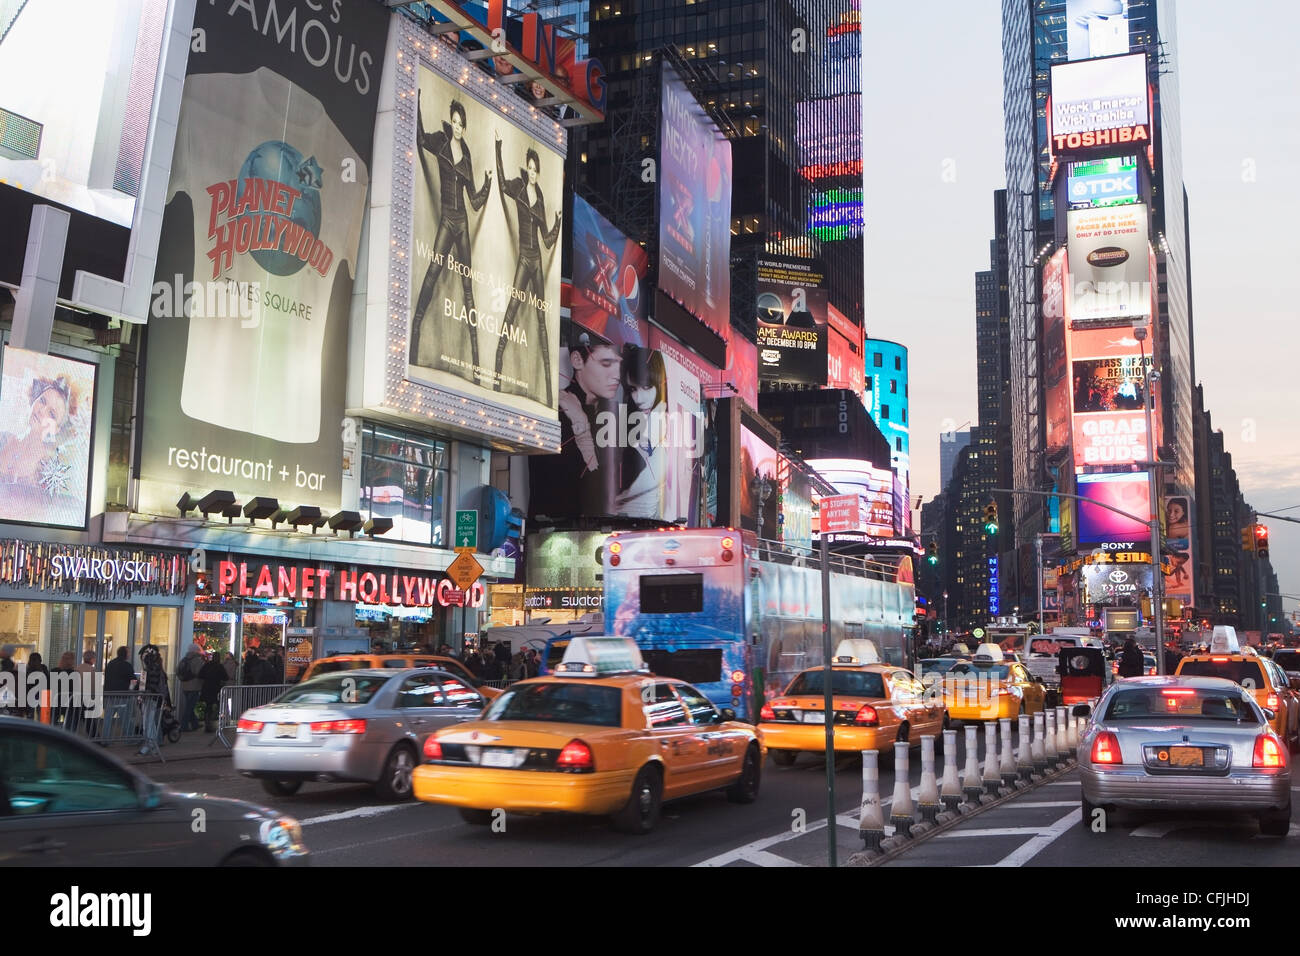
(356, 662)
(1266, 681)
(874, 705)
(990, 686)
(602, 736)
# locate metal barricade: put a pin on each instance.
(237, 698)
(127, 717)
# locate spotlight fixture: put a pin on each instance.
(261, 508)
(280, 515)
(349, 521)
(306, 514)
(216, 501)
(378, 526)
(231, 513)
(186, 504)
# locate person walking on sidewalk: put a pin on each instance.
(188, 672)
(9, 694)
(159, 696)
(212, 676)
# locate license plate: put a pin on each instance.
(499, 758)
(286, 730)
(814, 717)
(1186, 757)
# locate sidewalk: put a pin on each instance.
(194, 745)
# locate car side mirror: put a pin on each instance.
(725, 714)
(1268, 714)
(1295, 683)
(1082, 710)
(150, 795)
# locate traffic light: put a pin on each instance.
(1261, 540)
(932, 553)
(1248, 538)
(991, 517)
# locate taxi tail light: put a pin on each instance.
(1268, 753)
(338, 727)
(576, 757)
(866, 716)
(249, 726)
(1274, 702)
(432, 749)
(1105, 749)
(767, 713)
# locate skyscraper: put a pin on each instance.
(950, 445)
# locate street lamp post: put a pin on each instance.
(947, 626)
(1157, 577)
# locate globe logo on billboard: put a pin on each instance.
(278, 162)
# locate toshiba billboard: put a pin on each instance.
(1099, 105)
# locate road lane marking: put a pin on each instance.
(1038, 844)
(991, 831)
(358, 812)
(1046, 804)
(763, 858)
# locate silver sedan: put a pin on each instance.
(1186, 743)
(364, 725)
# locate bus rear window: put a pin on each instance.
(695, 666)
(672, 594)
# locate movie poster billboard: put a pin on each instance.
(760, 488)
(47, 409)
(792, 330)
(1109, 382)
(248, 331)
(632, 431)
(1126, 491)
(1109, 263)
(485, 278)
(609, 273)
(1178, 583)
(694, 207)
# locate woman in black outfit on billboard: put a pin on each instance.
(531, 207)
(456, 176)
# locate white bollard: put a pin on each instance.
(950, 788)
(1025, 761)
(971, 783)
(1049, 742)
(900, 813)
(1036, 748)
(927, 797)
(1007, 765)
(1063, 734)
(871, 820)
(992, 778)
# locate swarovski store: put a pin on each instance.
(59, 598)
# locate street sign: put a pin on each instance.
(466, 529)
(465, 570)
(837, 513)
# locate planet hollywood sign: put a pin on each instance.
(306, 583)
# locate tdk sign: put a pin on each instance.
(1094, 186)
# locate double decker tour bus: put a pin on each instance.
(739, 618)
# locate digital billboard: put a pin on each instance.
(486, 254)
(694, 207)
(844, 366)
(828, 131)
(1096, 183)
(760, 489)
(874, 486)
(632, 432)
(842, 55)
(1096, 28)
(248, 334)
(1055, 364)
(1127, 491)
(796, 509)
(1111, 583)
(1109, 263)
(835, 214)
(1098, 105)
(609, 273)
(1109, 382)
(73, 125)
(1178, 583)
(792, 333)
(47, 409)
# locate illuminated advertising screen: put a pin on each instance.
(248, 334)
(694, 207)
(609, 272)
(796, 509)
(835, 214)
(1111, 583)
(875, 486)
(1096, 28)
(844, 361)
(760, 489)
(995, 596)
(1109, 263)
(792, 335)
(741, 372)
(632, 432)
(1100, 105)
(1178, 549)
(486, 254)
(1102, 182)
(828, 131)
(47, 408)
(73, 125)
(1127, 491)
(1109, 387)
(842, 57)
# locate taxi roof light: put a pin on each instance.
(989, 654)
(864, 650)
(1224, 640)
(601, 656)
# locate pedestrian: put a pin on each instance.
(118, 676)
(231, 665)
(475, 663)
(503, 656)
(87, 669)
(63, 706)
(187, 671)
(212, 675)
(157, 696)
(8, 686)
(276, 667)
(1130, 661)
(517, 668)
(36, 684)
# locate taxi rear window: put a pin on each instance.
(1183, 703)
(1287, 660)
(1239, 671)
(848, 683)
(329, 667)
(560, 703)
